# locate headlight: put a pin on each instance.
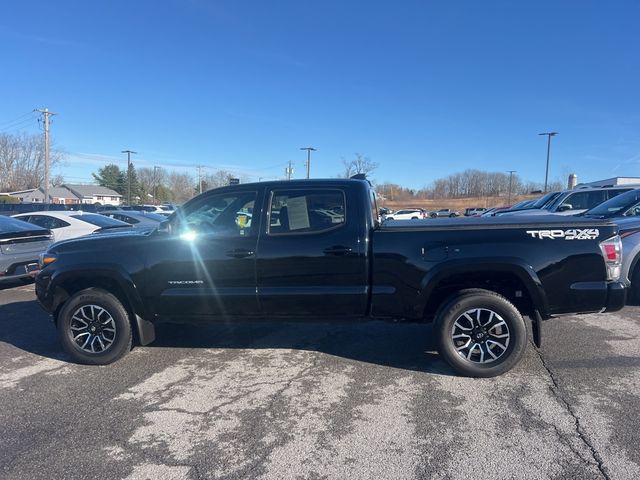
(47, 259)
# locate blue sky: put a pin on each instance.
(423, 88)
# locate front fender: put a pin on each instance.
(95, 275)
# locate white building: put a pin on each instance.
(612, 182)
(95, 194)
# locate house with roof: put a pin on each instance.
(93, 194)
(58, 195)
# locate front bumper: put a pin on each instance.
(43, 293)
(616, 296)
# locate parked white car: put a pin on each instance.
(70, 224)
(407, 214)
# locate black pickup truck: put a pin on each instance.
(315, 249)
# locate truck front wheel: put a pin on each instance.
(480, 334)
(94, 327)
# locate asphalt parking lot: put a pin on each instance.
(323, 400)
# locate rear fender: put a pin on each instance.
(510, 265)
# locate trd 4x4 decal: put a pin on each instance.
(572, 234)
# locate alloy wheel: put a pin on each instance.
(93, 329)
(480, 335)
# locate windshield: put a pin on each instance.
(100, 220)
(542, 201)
(154, 216)
(625, 204)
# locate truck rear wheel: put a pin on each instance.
(480, 333)
(94, 327)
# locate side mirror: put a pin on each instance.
(564, 207)
(165, 227)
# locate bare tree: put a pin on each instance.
(152, 182)
(22, 161)
(181, 186)
(359, 164)
(217, 179)
(57, 180)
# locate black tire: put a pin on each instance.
(388, 218)
(501, 353)
(452, 215)
(113, 328)
(434, 215)
(633, 294)
(414, 218)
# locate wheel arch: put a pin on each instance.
(65, 284)
(511, 278)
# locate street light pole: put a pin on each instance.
(129, 152)
(155, 185)
(546, 172)
(309, 150)
(511, 172)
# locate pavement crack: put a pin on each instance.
(580, 431)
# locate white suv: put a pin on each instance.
(407, 214)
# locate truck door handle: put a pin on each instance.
(337, 250)
(240, 253)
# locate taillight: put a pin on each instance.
(612, 253)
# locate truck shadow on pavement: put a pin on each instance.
(410, 346)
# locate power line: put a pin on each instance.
(18, 119)
(18, 125)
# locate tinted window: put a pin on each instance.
(584, 200)
(123, 218)
(100, 220)
(303, 211)
(624, 204)
(228, 214)
(9, 224)
(46, 221)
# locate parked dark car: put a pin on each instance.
(10, 209)
(571, 202)
(305, 249)
(21, 243)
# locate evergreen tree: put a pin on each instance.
(112, 177)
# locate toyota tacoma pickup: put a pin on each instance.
(309, 249)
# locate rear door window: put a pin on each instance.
(305, 211)
(47, 222)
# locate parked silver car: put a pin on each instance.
(21, 244)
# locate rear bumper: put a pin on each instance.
(616, 296)
(19, 270)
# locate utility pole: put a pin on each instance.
(546, 173)
(45, 117)
(129, 152)
(510, 172)
(309, 150)
(289, 170)
(155, 185)
(200, 167)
